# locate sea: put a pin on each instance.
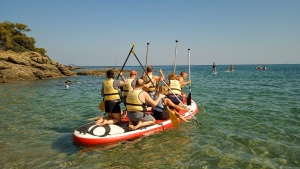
(248, 119)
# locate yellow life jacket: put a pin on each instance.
(110, 93)
(127, 86)
(133, 103)
(175, 87)
(147, 80)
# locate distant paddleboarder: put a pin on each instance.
(214, 68)
(231, 68)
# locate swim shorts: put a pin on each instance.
(139, 116)
(112, 106)
(174, 98)
(160, 115)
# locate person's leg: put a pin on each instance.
(180, 116)
(145, 123)
(177, 107)
(113, 118)
(145, 120)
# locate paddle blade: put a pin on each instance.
(189, 99)
(102, 106)
(174, 119)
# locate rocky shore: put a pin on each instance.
(32, 66)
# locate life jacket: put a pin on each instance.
(147, 80)
(133, 103)
(175, 87)
(127, 86)
(110, 93)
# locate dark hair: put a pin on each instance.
(110, 73)
(183, 73)
(149, 69)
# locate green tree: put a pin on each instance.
(13, 37)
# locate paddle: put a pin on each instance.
(133, 45)
(175, 56)
(189, 99)
(102, 104)
(174, 119)
(147, 55)
(180, 100)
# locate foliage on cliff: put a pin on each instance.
(13, 37)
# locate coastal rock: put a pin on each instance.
(89, 72)
(29, 66)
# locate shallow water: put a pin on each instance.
(249, 119)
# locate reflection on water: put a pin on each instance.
(249, 119)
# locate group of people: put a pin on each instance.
(142, 95)
(261, 68)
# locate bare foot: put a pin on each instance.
(99, 121)
(183, 119)
(138, 125)
(180, 116)
(123, 113)
(130, 125)
(103, 123)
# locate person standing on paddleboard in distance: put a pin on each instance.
(214, 67)
(136, 106)
(112, 99)
(155, 79)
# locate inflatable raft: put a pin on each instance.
(91, 134)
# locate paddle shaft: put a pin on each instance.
(180, 101)
(175, 124)
(189, 99)
(146, 74)
(144, 69)
(189, 58)
(175, 56)
(126, 60)
(147, 55)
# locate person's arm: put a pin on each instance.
(142, 77)
(187, 82)
(121, 75)
(162, 78)
(182, 82)
(149, 100)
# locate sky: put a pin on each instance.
(101, 32)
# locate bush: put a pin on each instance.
(12, 37)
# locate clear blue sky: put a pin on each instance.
(95, 32)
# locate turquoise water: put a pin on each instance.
(249, 119)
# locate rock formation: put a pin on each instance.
(30, 65)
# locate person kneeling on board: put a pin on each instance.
(136, 106)
(155, 79)
(129, 84)
(159, 111)
(112, 98)
(174, 94)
